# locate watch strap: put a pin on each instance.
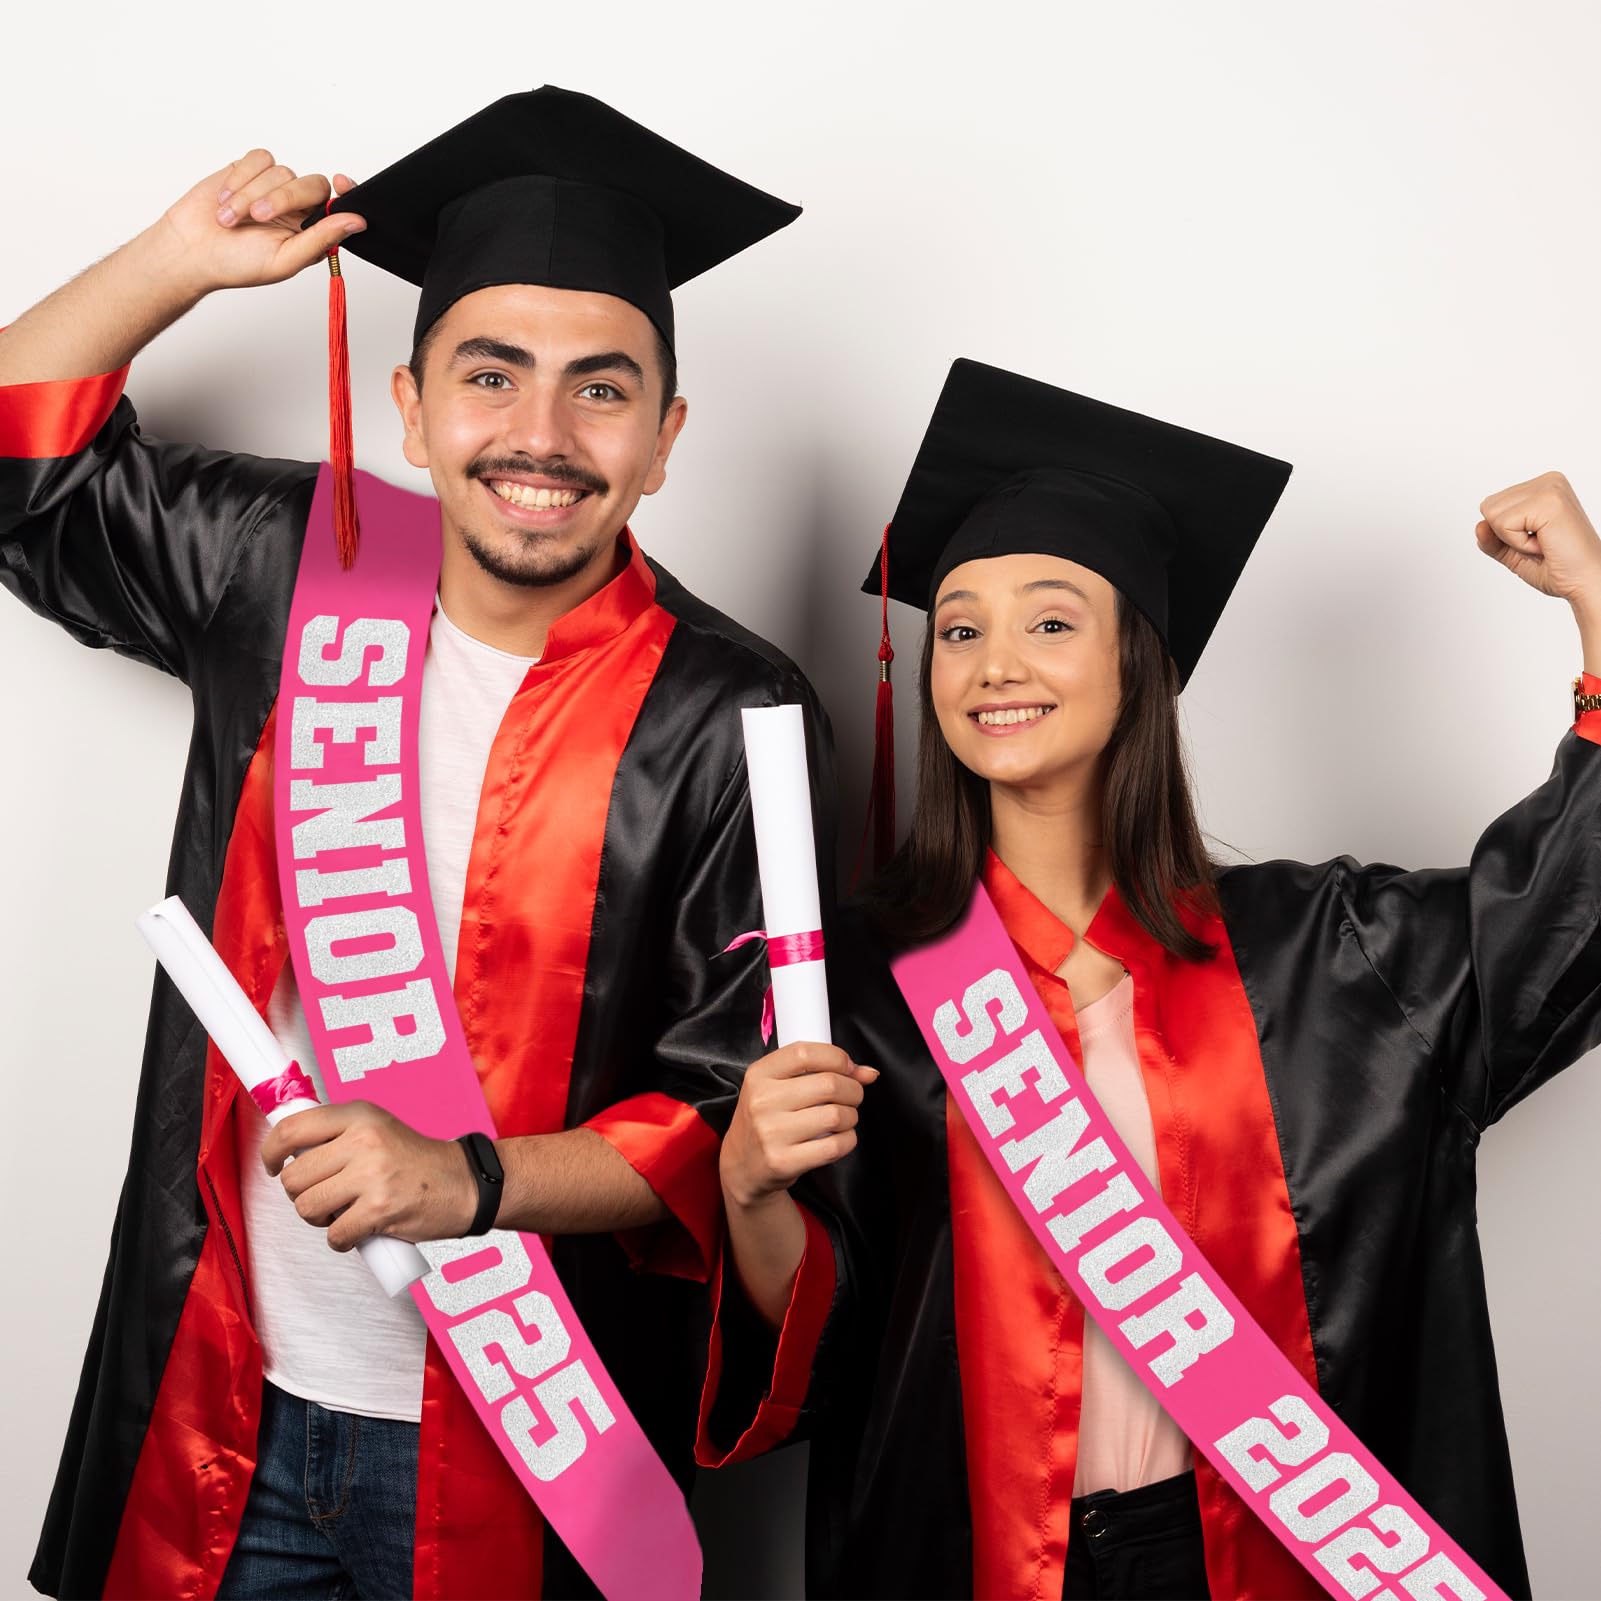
(484, 1165)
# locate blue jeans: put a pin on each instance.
(331, 1508)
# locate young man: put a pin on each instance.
(249, 1412)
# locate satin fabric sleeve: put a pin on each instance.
(127, 542)
(1497, 966)
(758, 1391)
(711, 1007)
(764, 1389)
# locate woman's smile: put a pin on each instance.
(1001, 719)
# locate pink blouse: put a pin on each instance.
(1124, 1438)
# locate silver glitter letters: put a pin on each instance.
(396, 924)
(1440, 1579)
(389, 634)
(1069, 1230)
(557, 1395)
(1289, 1500)
(1339, 1556)
(1050, 1148)
(495, 1327)
(344, 815)
(509, 1270)
(390, 877)
(1172, 1317)
(998, 985)
(983, 1084)
(1096, 1264)
(344, 719)
(1311, 1435)
(379, 1014)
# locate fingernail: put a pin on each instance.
(355, 225)
(223, 195)
(225, 215)
(262, 209)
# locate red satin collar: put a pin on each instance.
(1046, 941)
(1035, 929)
(607, 612)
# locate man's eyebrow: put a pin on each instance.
(606, 361)
(487, 349)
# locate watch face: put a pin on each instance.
(488, 1159)
(486, 1164)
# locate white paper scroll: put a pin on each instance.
(250, 1049)
(781, 806)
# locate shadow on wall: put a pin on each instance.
(751, 1520)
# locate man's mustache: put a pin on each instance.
(562, 471)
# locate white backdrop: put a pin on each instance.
(1362, 238)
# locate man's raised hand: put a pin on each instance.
(240, 226)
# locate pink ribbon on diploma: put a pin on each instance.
(384, 1026)
(1164, 1307)
(783, 950)
(290, 1085)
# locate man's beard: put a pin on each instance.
(540, 563)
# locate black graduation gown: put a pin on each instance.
(185, 558)
(1390, 1016)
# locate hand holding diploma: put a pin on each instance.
(359, 1172)
(797, 1111)
(277, 1085)
(797, 1108)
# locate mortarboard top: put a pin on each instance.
(553, 187)
(1012, 465)
(543, 187)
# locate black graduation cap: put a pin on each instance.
(543, 187)
(553, 187)
(1012, 465)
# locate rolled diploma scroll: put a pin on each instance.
(786, 854)
(250, 1049)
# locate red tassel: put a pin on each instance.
(341, 452)
(880, 821)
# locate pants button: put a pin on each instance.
(1093, 1523)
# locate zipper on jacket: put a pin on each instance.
(227, 1234)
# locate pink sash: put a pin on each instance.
(1140, 1276)
(377, 997)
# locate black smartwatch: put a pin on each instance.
(488, 1174)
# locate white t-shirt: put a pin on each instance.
(328, 1333)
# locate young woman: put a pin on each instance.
(1302, 1057)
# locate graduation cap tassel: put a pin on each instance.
(341, 451)
(880, 821)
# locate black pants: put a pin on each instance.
(1143, 1544)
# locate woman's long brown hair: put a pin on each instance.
(1153, 842)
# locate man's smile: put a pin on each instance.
(531, 495)
(532, 501)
